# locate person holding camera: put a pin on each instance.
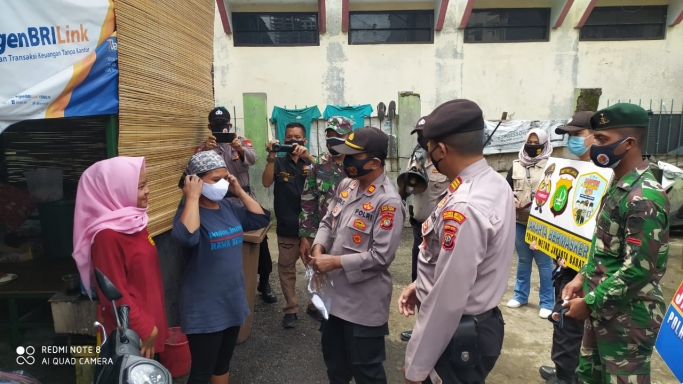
(239, 154)
(289, 173)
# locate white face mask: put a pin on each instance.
(215, 192)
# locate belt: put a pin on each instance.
(246, 189)
(480, 318)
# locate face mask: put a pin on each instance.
(436, 163)
(533, 150)
(290, 142)
(220, 128)
(604, 156)
(576, 145)
(423, 141)
(354, 167)
(215, 192)
(334, 141)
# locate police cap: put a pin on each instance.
(452, 117)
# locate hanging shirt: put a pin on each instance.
(131, 262)
(356, 113)
(282, 117)
(212, 292)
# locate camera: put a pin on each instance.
(289, 148)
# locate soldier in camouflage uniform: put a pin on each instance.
(326, 173)
(618, 289)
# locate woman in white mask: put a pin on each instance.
(210, 230)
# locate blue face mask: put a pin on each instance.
(576, 145)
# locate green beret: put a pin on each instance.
(621, 115)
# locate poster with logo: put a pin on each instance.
(670, 339)
(564, 209)
(57, 59)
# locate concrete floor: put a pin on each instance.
(278, 356)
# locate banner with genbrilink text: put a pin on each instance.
(564, 209)
(58, 58)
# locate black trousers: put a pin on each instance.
(211, 354)
(265, 263)
(417, 240)
(566, 340)
(490, 333)
(353, 351)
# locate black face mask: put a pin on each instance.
(354, 167)
(290, 142)
(533, 150)
(436, 163)
(423, 141)
(604, 156)
(332, 142)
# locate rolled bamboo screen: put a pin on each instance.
(165, 91)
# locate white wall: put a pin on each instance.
(528, 80)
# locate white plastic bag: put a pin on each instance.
(318, 286)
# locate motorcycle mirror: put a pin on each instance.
(107, 287)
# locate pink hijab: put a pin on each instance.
(106, 199)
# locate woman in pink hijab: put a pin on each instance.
(110, 233)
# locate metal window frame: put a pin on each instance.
(547, 26)
(236, 31)
(663, 25)
(414, 11)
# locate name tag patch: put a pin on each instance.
(631, 240)
(454, 216)
(448, 242)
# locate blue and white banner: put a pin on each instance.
(57, 59)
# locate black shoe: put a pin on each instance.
(315, 313)
(405, 336)
(289, 320)
(547, 372)
(267, 293)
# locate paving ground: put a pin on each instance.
(273, 355)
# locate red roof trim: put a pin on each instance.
(224, 16)
(467, 14)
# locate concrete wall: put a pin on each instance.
(529, 80)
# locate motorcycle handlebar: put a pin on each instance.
(124, 310)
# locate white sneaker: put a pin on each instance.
(544, 313)
(514, 304)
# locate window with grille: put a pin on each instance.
(391, 27)
(625, 23)
(269, 29)
(508, 25)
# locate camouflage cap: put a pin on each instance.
(339, 124)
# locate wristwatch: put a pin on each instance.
(270, 159)
(590, 298)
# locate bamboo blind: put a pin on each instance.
(165, 91)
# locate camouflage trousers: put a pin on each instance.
(613, 354)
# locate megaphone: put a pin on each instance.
(414, 180)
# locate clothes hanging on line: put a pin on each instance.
(281, 117)
(356, 113)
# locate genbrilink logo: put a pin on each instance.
(25, 355)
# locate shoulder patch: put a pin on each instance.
(371, 189)
(248, 143)
(443, 202)
(448, 242)
(359, 224)
(454, 215)
(455, 184)
(344, 194)
(386, 221)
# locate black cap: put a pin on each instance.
(452, 117)
(420, 125)
(366, 139)
(219, 113)
(580, 121)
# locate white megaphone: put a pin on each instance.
(414, 181)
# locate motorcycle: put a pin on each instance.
(670, 175)
(120, 360)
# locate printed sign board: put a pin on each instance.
(511, 135)
(57, 59)
(564, 209)
(670, 339)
